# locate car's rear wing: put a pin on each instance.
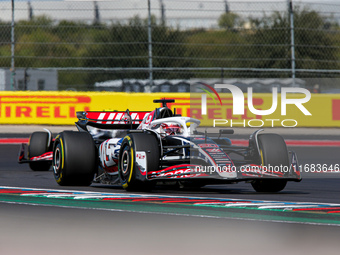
(110, 119)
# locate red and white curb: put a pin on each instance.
(184, 200)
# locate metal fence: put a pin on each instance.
(91, 42)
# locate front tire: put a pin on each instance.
(273, 150)
(74, 159)
(131, 175)
(39, 143)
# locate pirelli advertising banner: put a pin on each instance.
(59, 108)
(222, 110)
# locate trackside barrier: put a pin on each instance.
(59, 108)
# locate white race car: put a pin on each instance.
(140, 149)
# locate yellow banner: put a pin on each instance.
(59, 108)
(324, 110)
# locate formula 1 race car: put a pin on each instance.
(142, 149)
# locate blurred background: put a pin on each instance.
(159, 45)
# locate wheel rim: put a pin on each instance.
(125, 162)
(57, 161)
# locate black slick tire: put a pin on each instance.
(39, 143)
(74, 159)
(131, 177)
(274, 153)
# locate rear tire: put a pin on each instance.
(131, 176)
(39, 143)
(74, 159)
(274, 152)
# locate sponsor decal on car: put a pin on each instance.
(141, 160)
(207, 145)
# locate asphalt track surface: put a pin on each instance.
(46, 229)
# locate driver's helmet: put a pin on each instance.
(170, 128)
